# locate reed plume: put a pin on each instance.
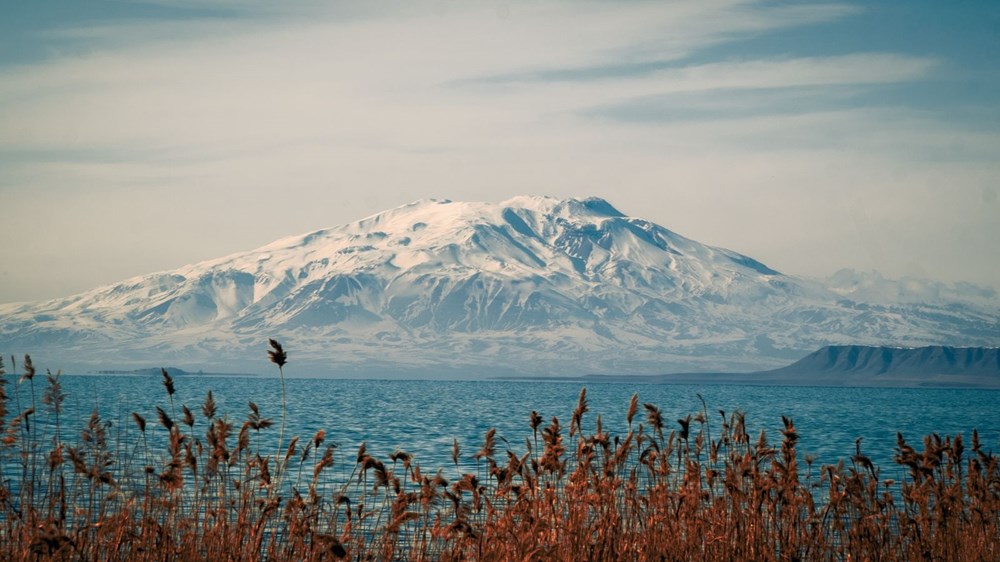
(200, 495)
(278, 356)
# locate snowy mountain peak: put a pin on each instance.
(523, 237)
(872, 286)
(589, 207)
(535, 284)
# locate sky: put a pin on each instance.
(140, 136)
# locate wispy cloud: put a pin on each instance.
(393, 82)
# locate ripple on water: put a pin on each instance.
(422, 417)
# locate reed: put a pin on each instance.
(202, 487)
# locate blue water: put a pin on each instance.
(422, 417)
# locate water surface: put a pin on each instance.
(422, 417)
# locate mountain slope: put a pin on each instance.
(882, 360)
(530, 285)
(885, 365)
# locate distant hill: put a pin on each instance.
(878, 361)
(878, 365)
(172, 371)
(853, 365)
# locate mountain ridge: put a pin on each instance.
(886, 361)
(529, 284)
(849, 365)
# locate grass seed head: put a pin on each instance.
(29, 369)
(276, 354)
(168, 382)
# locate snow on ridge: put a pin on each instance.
(571, 207)
(548, 280)
(404, 234)
(872, 285)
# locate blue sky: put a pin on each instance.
(141, 136)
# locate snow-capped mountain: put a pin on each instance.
(530, 285)
(872, 286)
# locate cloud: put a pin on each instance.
(395, 82)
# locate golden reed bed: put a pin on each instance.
(200, 486)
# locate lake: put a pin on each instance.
(422, 417)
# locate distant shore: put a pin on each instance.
(173, 371)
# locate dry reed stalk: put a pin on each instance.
(647, 495)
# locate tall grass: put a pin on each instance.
(200, 486)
